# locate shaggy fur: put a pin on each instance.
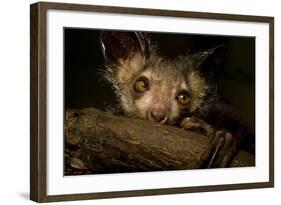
(167, 78)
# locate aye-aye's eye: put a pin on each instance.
(141, 85)
(183, 98)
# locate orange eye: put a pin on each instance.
(183, 98)
(141, 85)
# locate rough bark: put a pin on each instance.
(98, 142)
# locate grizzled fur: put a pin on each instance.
(166, 79)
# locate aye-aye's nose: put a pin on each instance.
(158, 115)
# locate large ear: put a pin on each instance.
(118, 46)
(210, 61)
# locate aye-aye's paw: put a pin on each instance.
(197, 125)
(224, 146)
(223, 143)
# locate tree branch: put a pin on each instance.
(98, 142)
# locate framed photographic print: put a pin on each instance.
(133, 102)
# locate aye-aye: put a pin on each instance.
(178, 91)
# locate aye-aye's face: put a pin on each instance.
(151, 87)
(162, 92)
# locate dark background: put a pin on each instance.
(85, 87)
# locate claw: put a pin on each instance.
(225, 147)
(215, 153)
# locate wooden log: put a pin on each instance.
(98, 142)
